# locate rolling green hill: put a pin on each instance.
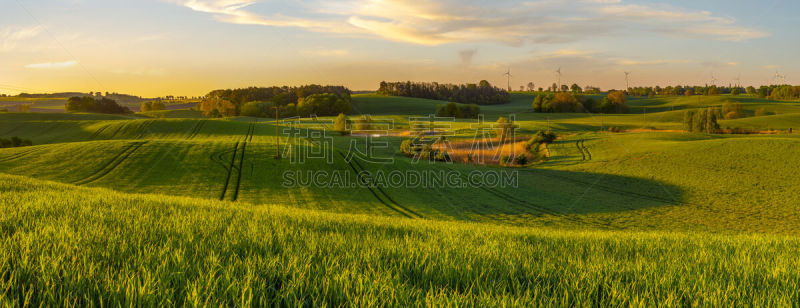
(89, 246)
(198, 211)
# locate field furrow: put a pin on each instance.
(112, 164)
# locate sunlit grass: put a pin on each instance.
(64, 244)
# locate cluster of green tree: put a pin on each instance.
(574, 88)
(14, 142)
(325, 104)
(591, 90)
(615, 102)
(504, 128)
(290, 101)
(466, 111)
(340, 124)
(89, 104)
(537, 143)
(762, 112)
(362, 124)
(510, 160)
(541, 137)
(784, 92)
(153, 106)
(730, 111)
(424, 151)
(701, 121)
(482, 93)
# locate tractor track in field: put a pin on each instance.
(380, 189)
(531, 206)
(18, 155)
(229, 168)
(583, 149)
(234, 165)
(99, 131)
(111, 164)
(196, 129)
(391, 204)
(144, 128)
(119, 128)
(250, 132)
(50, 128)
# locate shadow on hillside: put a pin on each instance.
(537, 192)
(586, 192)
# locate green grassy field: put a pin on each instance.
(87, 246)
(187, 210)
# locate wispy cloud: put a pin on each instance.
(52, 65)
(9, 38)
(235, 12)
(719, 64)
(681, 23)
(428, 22)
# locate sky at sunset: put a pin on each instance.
(189, 47)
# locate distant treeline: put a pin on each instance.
(153, 106)
(290, 101)
(52, 95)
(614, 102)
(14, 142)
(89, 104)
(482, 93)
(776, 92)
(120, 98)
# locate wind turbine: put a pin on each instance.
(508, 76)
(779, 77)
(739, 80)
(558, 71)
(713, 80)
(627, 85)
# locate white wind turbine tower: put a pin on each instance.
(558, 71)
(738, 80)
(713, 80)
(508, 78)
(778, 78)
(627, 85)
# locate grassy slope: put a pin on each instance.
(66, 244)
(662, 182)
(633, 181)
(718, 183)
